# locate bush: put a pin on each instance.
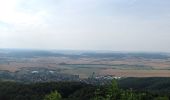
(53, 96)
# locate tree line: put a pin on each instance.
(81, 91)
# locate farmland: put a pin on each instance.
(84, 63)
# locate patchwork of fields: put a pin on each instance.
(84, 64)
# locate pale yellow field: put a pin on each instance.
(136, 73)
(160, 67)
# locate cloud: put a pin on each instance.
(10, 14)
(85, 24)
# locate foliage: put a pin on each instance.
(114, 93)
(53, 96)
(82, 91)
(161, 98)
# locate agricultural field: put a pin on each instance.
(84, 63)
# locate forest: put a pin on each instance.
(145, 89)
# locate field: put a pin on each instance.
(85, 63)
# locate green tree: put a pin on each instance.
(129, 95)
(161, 98)
(53, 96)
(113, 91)
(98, 95)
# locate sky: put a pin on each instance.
(117, 25)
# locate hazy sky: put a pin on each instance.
(118, 25)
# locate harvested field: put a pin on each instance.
(136, 73)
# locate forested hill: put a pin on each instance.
(125, 89)
(152, 84)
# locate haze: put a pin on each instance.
(117, 25)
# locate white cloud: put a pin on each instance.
(10, 15)
(83, 24)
